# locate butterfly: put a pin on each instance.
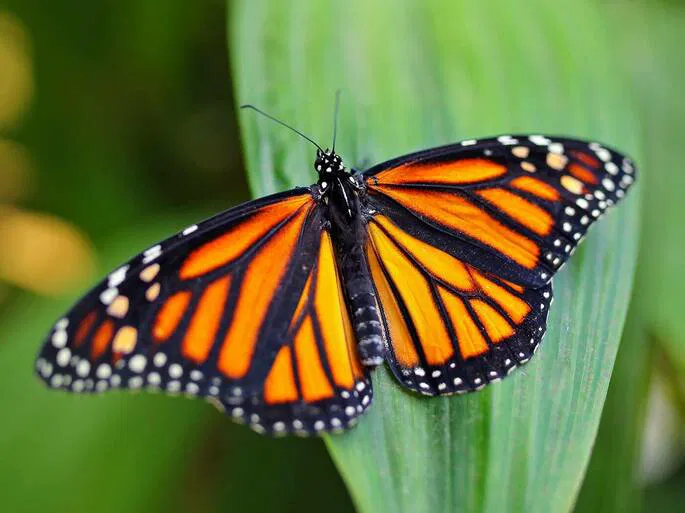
(438, 263)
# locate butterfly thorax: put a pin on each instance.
(337, 186)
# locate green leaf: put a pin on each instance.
(273, 475)
(64, 452)
(648, 38)
(419, 74)
(661, 32)
(611, 483)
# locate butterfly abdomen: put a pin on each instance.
(349, 231)
(362, 303)
(366, 318)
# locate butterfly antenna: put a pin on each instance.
(335, 117)
(247, 106)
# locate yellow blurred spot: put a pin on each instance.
(16, 77)
(42, 253)
(149, 273)
(15, 171)
(119, 307)
(125, 340)
(152, 292)
(571, 184)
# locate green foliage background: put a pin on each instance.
(134, 133)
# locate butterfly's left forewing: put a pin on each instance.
(232, 310)
(463, 242)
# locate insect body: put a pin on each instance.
(438, 263)
(347, 215)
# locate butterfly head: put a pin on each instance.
(328, 164)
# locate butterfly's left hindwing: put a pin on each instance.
(463, 242)
(230, 310)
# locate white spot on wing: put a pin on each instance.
(150, 254)
(59, 338)
(556, 147)
(190, 230)
(137, 363)
(104, 371)
(540, 140)
(159, 360)
(108, 295)
(83, 368)
(611, 168)
(117, 277)
(63, 357)
(507, 140)
(175, 371)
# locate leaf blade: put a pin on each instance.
(88, 448)
(444, 72)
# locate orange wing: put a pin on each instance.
(316, 382)
(451, 327)
(464, 241)
(209, 313)
(516, 206)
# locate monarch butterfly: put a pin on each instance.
(438, 263)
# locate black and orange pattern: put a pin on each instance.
(519, 204)
(231, 310)
(466, 242)
(438, 263)
(452, 327)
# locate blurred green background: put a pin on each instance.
(118, 127)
